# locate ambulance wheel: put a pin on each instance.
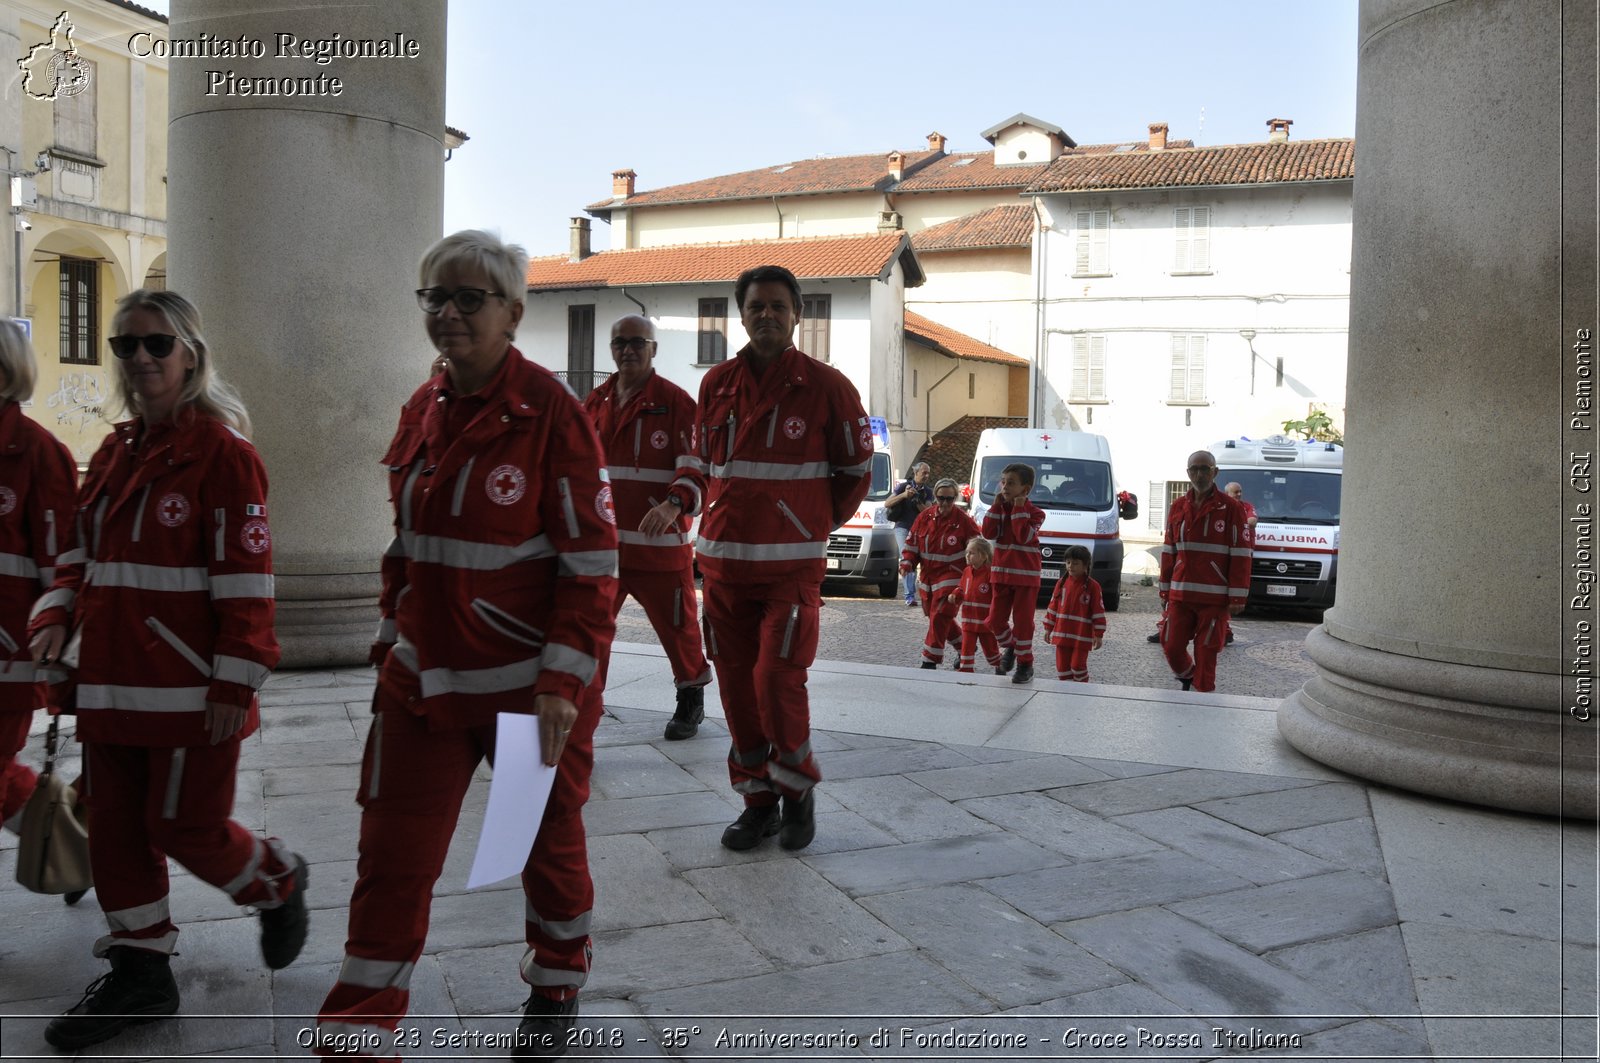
(888, 588)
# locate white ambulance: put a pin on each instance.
(1073, 484)
(863, 548)
(1294, 486)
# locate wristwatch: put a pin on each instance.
(675, 498)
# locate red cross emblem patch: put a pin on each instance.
(505, 484)
(658, 439)
(794, 427)
(8, 500)
(1219, 525)
(172, 510)
(255, 536)
(866, 439)
(983, 588)
(603, 506)
(951, 539)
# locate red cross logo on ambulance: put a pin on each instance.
(8, 500)
(658, 439)
(172, 510)
(794, 427)
(505, 484)
(255, 536)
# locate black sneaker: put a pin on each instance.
(930, 664)
(1008, 662)
(545, 1027)
(1229, 640)
(1024, 674)
(799, 821)
(1186, 682)
(138, 989)
(685, 722)
(74, 896)
(283, 929)
(755, 823)
(1153, 638)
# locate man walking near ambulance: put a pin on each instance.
(1205, 574)
(646, 425)
(788, 457)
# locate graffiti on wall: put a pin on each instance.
(77, 401)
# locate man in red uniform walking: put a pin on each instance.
(788, 456)
(646, 425)
(1205, 574)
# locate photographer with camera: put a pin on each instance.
(910, 498)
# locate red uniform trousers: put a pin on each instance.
(413, 780)
(668, 601)
(974, 632)
(1205, 625)
(762, 638)
(16, 779)
(942, 627)
(148, 803)
(1011, 618)
(1072, 661)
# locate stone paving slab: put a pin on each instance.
(1097, 887)
(639, 770)
(651, 958)
(1292, 913)
(701, 846)
(1066, 830)
(1350, 843)
(1005, 777)
(1221, 844)
(1369, 969)
(931, 863)
(636, 886)
(900, 807)
(911, 757)
(1189, 786)
(1284, 810)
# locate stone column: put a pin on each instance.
(296, 222)
(1440, 668)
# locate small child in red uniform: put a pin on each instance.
(973, 598)
(1075, 621)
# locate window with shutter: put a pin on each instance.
(580, 349)
(1156, 507)
(1088, 369)
(1092, 247)
(1191, 249)
(713, 344)
(815, 314)
(1187, 382)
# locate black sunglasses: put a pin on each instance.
(157, 344)
(467, 300)
(945, 498)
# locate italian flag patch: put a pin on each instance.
(255, 511)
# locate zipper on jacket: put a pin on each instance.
(787, 512)
(788, 631)
(1220, 576)
(508, 625)
(138, 514)
(222, 533)
(168, 636)
(565, 487)
(461, 486)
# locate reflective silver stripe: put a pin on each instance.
(405, 495)
(533, 974)
(796, 756)
(762, 551)
(783, 507)
(246, 876)
(948, 559)
(397, 548)
(559, 658)
(688, 461)
(788, 631)
(405, 653)
(653, 476)
(564, 486)
(73, 557)
(480, 557)
(461, 486)
(243, 585)
(1242, 551)
(17, 565)
(50, 532)
(1018, 548)
(238, 670)
(171, 638)
(677, 607)
(143, 917)
(858, 469)
(750, 758)
(169, 805)
(375, 741)
(774, 470)
(510, 626)
(1168, 548)
(944, 584)
(99, 517)
(791, 779)
(1074, 638)
(60, 598)
(514, 676)
(1015, 571)
(561, 930)
(633, 538)
(849, 431)
(754, 786)
(1220, 575)
(150, 577)
(142, 699)
(376, 974)
(386, 630)
(586, 563)
(22, 672)
(1205, 548)
(222, 535)
(138, 514)
(772, 424)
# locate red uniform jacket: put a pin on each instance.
(975, 595)
(167, 583)
(1205, 559)
(38, 485)
(1249, 529)
(1077, 612)
(940, 545)
(1014, 530)
(499, 582)
(787, 459)
(649, 445)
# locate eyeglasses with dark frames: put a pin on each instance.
(945, 498)
(629, 343)
(157, 344)
(467, 300)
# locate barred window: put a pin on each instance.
(80, 311)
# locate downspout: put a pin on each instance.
(927, 396)
(779, 211)
(1039, 339)
(642, 311)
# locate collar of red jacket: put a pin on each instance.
(792, 365)
(515, 384)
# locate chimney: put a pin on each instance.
(580, 240)
(936, 142)
(1278, 130)
(1158, 136)
(897, 164)
(622, 183)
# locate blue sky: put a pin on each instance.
(556, 95)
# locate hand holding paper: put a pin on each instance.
(517, 795)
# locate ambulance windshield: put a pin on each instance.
(1288, 496)
(1058, 483)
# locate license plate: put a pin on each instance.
(834, 564)
(1281, 590)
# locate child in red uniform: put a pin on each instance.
(973, 599)
(1013, 526)
(1076, 618)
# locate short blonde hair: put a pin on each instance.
(506, 265)
(983, 547)
(16, 362)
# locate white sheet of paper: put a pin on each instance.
(518, 793)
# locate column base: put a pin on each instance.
(1488, 736)
(326, 620)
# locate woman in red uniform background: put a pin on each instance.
(167, 593)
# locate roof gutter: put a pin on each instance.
(1184, 188)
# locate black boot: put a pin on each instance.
(283, 929)
(1186, 681)
(1024, 674)
(1153, 638)
(1008, 662)
(799, 821)
(930, 664)
(545, 1025)
(138, 989)
(755, 823)
(691, 711)
(74, 896)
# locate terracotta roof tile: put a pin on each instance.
(1230, 164)
(838, 257)
(970, 170)
(845, 173)
(945, 338)
(1010, 225)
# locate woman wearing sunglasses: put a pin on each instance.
(496, 598)
(163, 605)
